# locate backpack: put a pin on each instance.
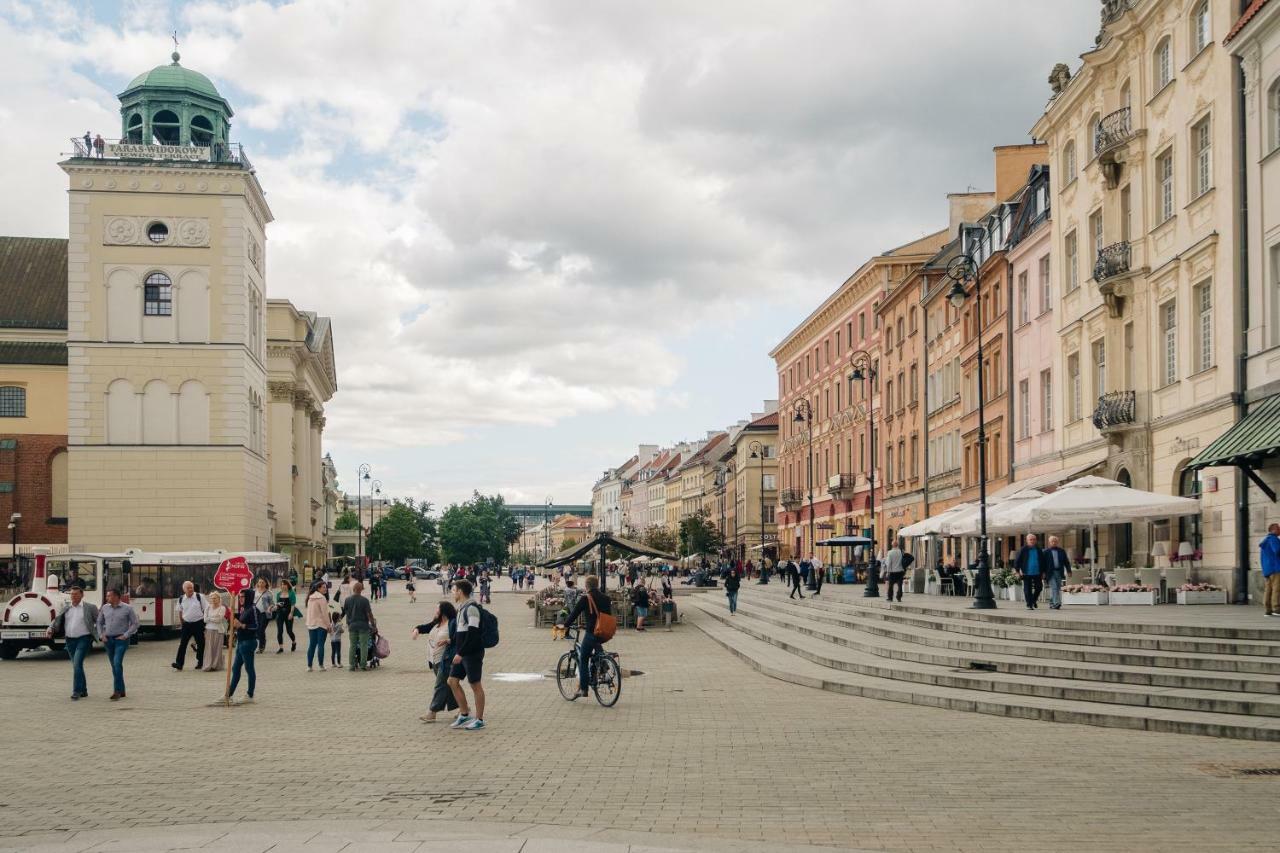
(488, 628)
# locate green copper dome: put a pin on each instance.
(174, 76)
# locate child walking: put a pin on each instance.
(335, 639)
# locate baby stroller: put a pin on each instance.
(379, 648)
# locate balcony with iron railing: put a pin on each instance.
(1114, 130)
(215, 154)
(791, 498)
(841, 486)
(1113, 261)
(1115, 409)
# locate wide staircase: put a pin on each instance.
(1188, 679)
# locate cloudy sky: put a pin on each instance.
(549, 230)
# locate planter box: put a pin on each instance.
(1094, 598)
(1217, 596)
(1011, 593)
(1123, 598)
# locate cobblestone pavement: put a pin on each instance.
(700, 752)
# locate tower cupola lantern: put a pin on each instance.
(172, 105)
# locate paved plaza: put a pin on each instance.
(701, 753)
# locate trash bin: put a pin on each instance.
(850, 575)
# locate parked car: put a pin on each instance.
(425, 574)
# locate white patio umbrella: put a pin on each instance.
(932, 526)
(1095, 500)
(968, 523)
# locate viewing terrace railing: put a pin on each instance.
(216, 153)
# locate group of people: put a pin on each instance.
(94, 146)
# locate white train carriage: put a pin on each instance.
(149, 581)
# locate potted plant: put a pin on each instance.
(1201, 593)
(1132, 593)
(1084, 593)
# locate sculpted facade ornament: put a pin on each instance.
(281, 391)
(1059, 77)
(133, 231)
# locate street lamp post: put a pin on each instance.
(961, 270)
(863, 369)
(375, 513)
(13, 538)
(362, 477)
(546, 529)
(804, 415)
(757, 452)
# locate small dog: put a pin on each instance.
(559, 632)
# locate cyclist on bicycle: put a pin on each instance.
(588, 642)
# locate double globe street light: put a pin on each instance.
(962, 270)
(804, 415)
(863, 369)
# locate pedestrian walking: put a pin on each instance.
(344, 588)
(385, 576)
(732, 584)
(117, 623)
(793, 577)
(1030, 565)
(318, 624)
(216, 623)
(77, 624)
(819, 576)
(440, 650)
(468, 658)
(1269, 552)
(265, 601)
(894, 572)
(358, 612)
(410, 588)
(335, 637)
(485, 588)
(1057, 567)
(375, 583)
(286, 608)
(189, 612)
(245, 622)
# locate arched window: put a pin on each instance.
(13, 401)
(1163, 63)
(1201, 28)
(158, 295)
(1069, 162)
(166, 127)
(201, 131)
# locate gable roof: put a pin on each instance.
(769, 421)
(33, 282)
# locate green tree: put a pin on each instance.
(698, 535)
(396, 536)
(660, 538)
(481, 529)
(568, 543)
(347, 521)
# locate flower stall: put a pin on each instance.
(1084, 593)
(1132, 593)
(1201, 593)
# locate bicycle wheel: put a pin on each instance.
(608, 681)
(567, 675)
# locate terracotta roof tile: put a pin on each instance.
(1245, 17)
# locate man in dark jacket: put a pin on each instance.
(732, 583)
(1057, 567)
(793, 577)
(1030, 565)
(590, 604)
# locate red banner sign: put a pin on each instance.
(233, 575)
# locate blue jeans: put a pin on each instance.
(733, 601)
(245, 650)
(1055, 589)
(588, 645)
(115, 654)
(77, 648)
(315, 643)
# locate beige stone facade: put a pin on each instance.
(302, 378)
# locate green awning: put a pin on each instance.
(1250, 441)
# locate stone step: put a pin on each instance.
(785, 666)
(826, 649)
(1244, 674)
(1014, 613)
(1221, 655)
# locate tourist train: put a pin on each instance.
(149, 581)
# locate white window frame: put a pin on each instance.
(1069, 162)
(1073, 387)
(1202, 156)
(1024, 408)
(1165, 189)
(1046, 284)
(1201, 28)
(1162, 58)
(1202, 294)
(1046, 400)
(1098, 353)
(1071, 245)
(1169, 342)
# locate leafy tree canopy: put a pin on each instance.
(483, 528)
(698, 535)
(347, 521)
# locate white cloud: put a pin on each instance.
(513, 210)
